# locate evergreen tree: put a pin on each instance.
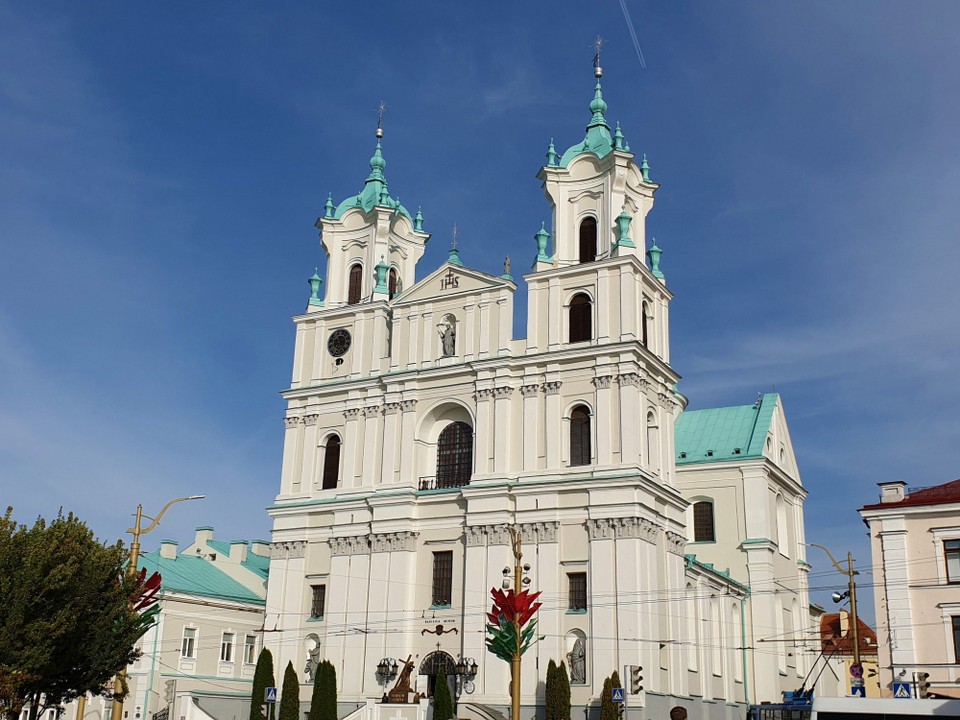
(442, 702)
(262, 679)
(550, 694)
(323, 702)
(290, 695)
(563, 692)
(607, 710)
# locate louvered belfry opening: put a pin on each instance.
(588, 240)
(703, 530)
(580, 436)
(581, 318)
(455, 455)
(356, 285)
(331, 463)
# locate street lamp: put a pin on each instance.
(117, 710)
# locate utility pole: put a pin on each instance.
(116, 712)
(515, 541)
(851, 593)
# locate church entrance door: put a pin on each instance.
(433, 665)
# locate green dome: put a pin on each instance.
(598, 139)
(374, 191)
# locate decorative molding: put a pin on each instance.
(628, 527)
(391, 542)
(502, 392)
(484, 394)
(354, 545)
(629, 379)
(530, 390)
(408, 405)
(602, 382)
(351, 413)
(552, 387)
(310, 419)
(392, 407)
(476, 535)
(371, 411)
(540, 532)
(292, 422)
(676, 543)
(288, 550)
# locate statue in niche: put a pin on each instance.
(578, 664)
(313, 659)
(448, 337)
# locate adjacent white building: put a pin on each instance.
(419, 431)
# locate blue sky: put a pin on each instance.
(161, 168)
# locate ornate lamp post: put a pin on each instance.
(386, 671)
(118, 686)
(510, 625)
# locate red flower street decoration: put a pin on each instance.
(144, 599)
(511, 626)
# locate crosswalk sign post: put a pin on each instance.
(901, 691)
(270, 695)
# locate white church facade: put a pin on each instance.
(419, 432)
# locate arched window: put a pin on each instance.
(580, 436)
(703, 530)
(393, 283)
(644, 310)
(782, 536)
(588, 240)
(653, 442)
(455, 455)
(581, 318)
(356, 284)
(331, 463)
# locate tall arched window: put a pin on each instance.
(393, 283)
(580, 436)
(644, 310)
(581, 318)
(653, 442)
(455, 455)
(703, 530)
(783, 542)
(355, 286)
(588, 240)
(331, 463)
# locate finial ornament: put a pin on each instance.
(315, 283)
(453, 243)
(597, 46)
(653, 254)
(542, 237)
(381, 109)
(328, 208)
(418, 220)
(551, 155)
(645, 169)
(381, 269)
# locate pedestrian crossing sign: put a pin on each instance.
(617, 695)
(858, 691)
(270, 694)
(901, 690)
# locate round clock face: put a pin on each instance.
(339, 342)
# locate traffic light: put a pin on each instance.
(636, 679)
(169, 690)
(923, 684)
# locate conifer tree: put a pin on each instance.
(607, 710)
(290, 695)
(551, 695)
(323, 702)
(262, 679)
(563, 692)
(442, 702)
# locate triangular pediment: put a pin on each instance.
(451, 280)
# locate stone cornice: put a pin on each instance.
(623, 528)
(288, 550)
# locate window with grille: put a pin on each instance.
(189, 647)
(226, 647)
(393, 283)
(443, 578)
(588, 240)
(577, 584)
(356, 285)
(455, 455)
(318, 601)
(250, 649)
(331, 463)
(703, 530)
(951, 553)
(580, 436)
(581, 318)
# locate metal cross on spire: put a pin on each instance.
(381, 109)
(453, 243)
(597, 46)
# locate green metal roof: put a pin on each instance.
(374, 191)
(254, 563)
(197, 576)
(724, 434)
(598, 139)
